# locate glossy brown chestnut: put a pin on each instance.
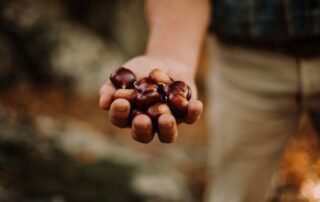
(146, 99)
(128, 94)
(157, 110)
(144, 85)
(157, 76)
(177, 102)
(178, 87)
(122, 78)
(162, 93)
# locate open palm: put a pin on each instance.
(142, 131)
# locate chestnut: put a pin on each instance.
(178, 103)
(157, 110)
(122, 78)
(189, 94)
(154, 95)
(157, 76)
(144, 85)
(128, 94)
(162, 93)
(178, 87)
(146, 99)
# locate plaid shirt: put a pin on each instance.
(272, 20)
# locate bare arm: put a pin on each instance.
(177, 29)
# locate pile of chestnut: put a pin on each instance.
(154, 95)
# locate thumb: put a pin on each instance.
(106, 95)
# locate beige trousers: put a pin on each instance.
(257, 99)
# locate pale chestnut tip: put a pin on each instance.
(143, 85)
(146, 99)
(157, 76)
(178, 87)
(128, 94)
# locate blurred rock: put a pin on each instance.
(27, 15)
(161, 187)
(84, 57)
(78, 139)
(68, 42)
(122, 22)
(88, 53)
(24, 26)
(7, 58)
(47, 159)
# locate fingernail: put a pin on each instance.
(140, 126)
(168, 124)
(102, 104)
(121, 108)
(195, 112)
(101, 98)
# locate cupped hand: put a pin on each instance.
(142, 131)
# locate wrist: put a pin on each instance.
(174, 66)
(189, 59)
(172, 35)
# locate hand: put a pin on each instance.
(142, 131)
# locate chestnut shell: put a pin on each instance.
(178, 87)
(122, 78)
(146, 99)
(157, 76)
(128, 94)
(143, 85)
(162, 93)
(178, 104)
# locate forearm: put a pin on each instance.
(177, 29)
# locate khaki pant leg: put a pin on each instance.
(252, 115)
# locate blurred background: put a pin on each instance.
(57, 145)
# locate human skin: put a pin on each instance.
(176, 32)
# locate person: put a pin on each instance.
(266, 73)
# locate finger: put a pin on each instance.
(119, 112)
(142, 129)
(168, 131)
(106, 94)
(195, 108)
